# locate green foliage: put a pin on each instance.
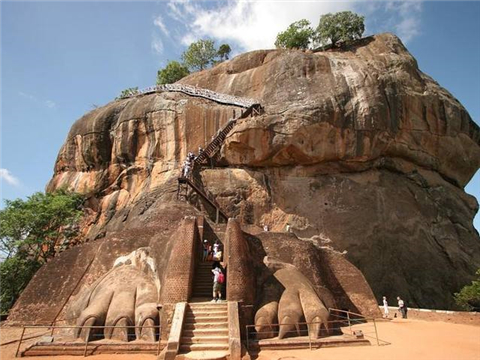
(15, 273)
(469, 297)
(173, 72)
(128, 92)
(297, 36)
(31, 232)
(199, 54)
(341, 26)
(224, 51)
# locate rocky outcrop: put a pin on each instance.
(357, 150)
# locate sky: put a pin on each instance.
(60, 59)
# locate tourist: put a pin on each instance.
(402, 307)
(186, 168)
(287, 228)
(205, 250)
(265, 227)
(217, 284)
(385, 307)
(217, 254)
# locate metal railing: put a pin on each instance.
(341, 324)
(195, 91)
(89, 334)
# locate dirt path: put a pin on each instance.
(409, 340)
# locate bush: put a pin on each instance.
(128, 92)
(224, 51)
(469, 297)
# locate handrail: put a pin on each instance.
(343, 320)
(195, 91)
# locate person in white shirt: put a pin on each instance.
(385, 307)
(402, 308)
(217, 286)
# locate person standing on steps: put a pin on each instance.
(217, 254)
(218, 279)
(205, 250)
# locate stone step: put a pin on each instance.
(205, 355)
(205, 332)
(186, 340)
(201, 312)
(207, 306)
(203, 347)
(205, 319)
(207, 292)
(203, 326)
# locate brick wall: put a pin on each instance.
(240, 278)
(177, 285)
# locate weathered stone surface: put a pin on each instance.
(357, 150)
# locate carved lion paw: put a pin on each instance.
(125, 296)
(289, 299)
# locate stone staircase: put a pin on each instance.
(205, 329)
(203, 282)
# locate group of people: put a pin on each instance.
(402, 308)
(215, 253)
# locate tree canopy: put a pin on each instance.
(297, 36)
(341, 26)
(199, 55)
(173, 72)
(31, 232)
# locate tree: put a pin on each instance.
(128, 92)
(297, 36)
(31, 232)
(469, 297)
(224, 51)
(341, 26)
(199, 54)
(173, 72)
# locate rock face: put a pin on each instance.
(357, 150)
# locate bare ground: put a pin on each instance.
(409, 339)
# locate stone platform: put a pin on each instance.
(303, 342)
(93, 348)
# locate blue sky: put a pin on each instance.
(59, 59)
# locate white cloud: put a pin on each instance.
(158, 22)
(249, 24)
(157, 44)
(400, 17)
(48, 103)
(254, 24)
(409, 23)
(8, 177)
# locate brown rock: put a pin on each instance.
(357, 150)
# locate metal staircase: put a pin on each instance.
(194, 180)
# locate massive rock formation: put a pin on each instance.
(357, 150)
